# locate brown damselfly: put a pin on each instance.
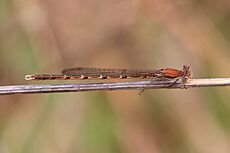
(103, 73)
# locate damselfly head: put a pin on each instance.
(187, 72)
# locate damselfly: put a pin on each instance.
(106, 73)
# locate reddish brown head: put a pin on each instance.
(186, 72)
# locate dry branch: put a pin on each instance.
(137, 85)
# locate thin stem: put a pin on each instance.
(135, 85)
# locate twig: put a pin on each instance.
(137, 85)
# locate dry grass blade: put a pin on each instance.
(137, 85)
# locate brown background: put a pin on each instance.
(46, 36)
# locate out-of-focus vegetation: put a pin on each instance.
(46, 36)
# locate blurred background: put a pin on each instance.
(47, 36)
